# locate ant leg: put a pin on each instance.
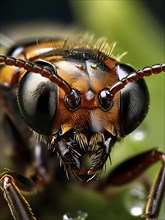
(14, 185)
(132, 168)
(11, 184)
(23, 149)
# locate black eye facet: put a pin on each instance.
(37, 99)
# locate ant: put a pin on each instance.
(79, 101)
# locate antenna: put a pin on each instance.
(38, 69)
(133, 77)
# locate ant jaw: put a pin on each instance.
(84, 157)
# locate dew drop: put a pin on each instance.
(138, 135)
(135, 200)
(75, 215)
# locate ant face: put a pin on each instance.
(81, 101)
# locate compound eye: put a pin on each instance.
(105, 100)
(134, 101)
(37, 99)
(73, 100)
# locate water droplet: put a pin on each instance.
(135, 200)
(76, 215)
(138, 135)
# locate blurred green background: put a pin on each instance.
(133, 25)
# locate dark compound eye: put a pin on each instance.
(105, 101)
(73, 100)
(134, 101)
(37, 99)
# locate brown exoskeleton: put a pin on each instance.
(80, 101)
